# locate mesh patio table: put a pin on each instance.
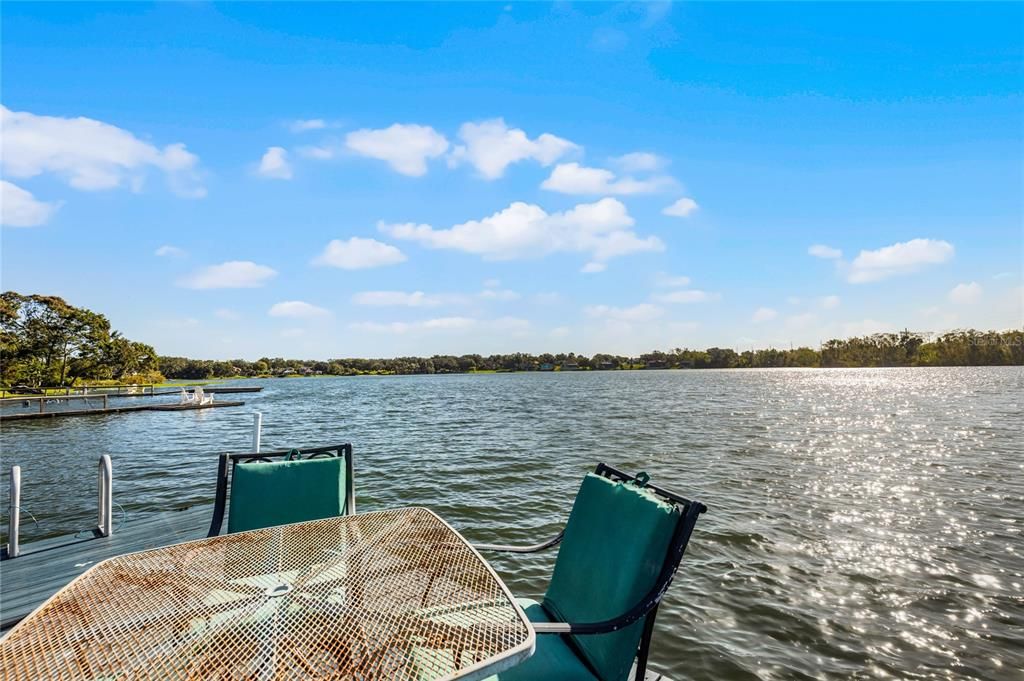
(387, 595)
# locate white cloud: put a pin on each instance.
(665, 280)
(421, 299)
(304, 125)
(491, 146)
(900, 258)
(794, 300)
(406, 148)
(681, 209)
(644, 312)
(503, 295)
(829, 302)
(231, 274)
(358, 253)
(639, 161)
(594, 267)
(168, 251)
(547, 298)
(18, 208)
(601, 230)
(274, 164)
(293, 332)
(688, 296)
(227, 314)
(320, 153)
(297, 309)
(764, 314)
(397, 298)
(90, 155)
(966, 294)
(826, 252)
(560, 332)
(572, 178)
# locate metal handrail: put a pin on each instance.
(105, 494)
(14, 516)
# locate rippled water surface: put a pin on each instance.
(864, 523)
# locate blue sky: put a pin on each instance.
(328, 180)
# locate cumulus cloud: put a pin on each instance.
(358, 253)
(602, 230)
(406, 148)
(573, 178)
(397, 298)
(829, 302)
(898, 259)
(18, 208)
(297, 309)
(91, 155)
(665, 280)
(639, 161)
(644, 312)
(498, 294)
(764, 314)
(168, 251)
(227, 314)
(274, 164)
(682, 208)
(491, 146)
(421, 299)
(305, 125)
(966, 294)
(594, 267)
(686, 296)
(826, 252)
(231, 274)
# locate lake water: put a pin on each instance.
(863, 523)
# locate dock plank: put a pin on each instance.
(43, 569)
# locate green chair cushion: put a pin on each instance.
(282, 492)
(533, 611)
(552, 660)
(615, 544)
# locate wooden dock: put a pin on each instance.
(113, 410)
(46, 566)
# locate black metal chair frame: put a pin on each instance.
(647, 606)
(221, 500)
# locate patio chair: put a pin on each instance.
(619, 551)
(277, 488)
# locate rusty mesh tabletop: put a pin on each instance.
(386, 595)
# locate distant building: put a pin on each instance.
(547, 366)
(570, 366)
(656, 364)
(605, 366)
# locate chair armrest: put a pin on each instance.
(554, 541)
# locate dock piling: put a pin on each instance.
(14, 517)
(257, 430)
(105, 502)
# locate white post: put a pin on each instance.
(14, 528)
(105, 482)
(257, 428)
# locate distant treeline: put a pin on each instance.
(44, 341)
(956, 348)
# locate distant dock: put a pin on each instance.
(42, 413)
